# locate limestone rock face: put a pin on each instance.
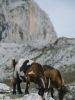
(61, 55)
(23, 21)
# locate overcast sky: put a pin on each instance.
(62, 15)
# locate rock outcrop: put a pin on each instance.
(23, 21)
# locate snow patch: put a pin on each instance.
(4, 88)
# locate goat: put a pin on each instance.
(36, 74)
(19, 75)
(54, 80)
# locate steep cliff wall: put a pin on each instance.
(23, 21)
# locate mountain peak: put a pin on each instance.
(23, 21)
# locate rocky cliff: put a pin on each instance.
(22, 21)
(61, 55)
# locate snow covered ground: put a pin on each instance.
(32, 96)
(6, 94)
(5, 89)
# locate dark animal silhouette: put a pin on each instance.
(54, 80)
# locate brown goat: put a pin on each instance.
(54, 80)
(36, 74)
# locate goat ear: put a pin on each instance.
(26, 61)
(24, 65)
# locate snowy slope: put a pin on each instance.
(32, 96)
(60, 55)
(6, 95)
